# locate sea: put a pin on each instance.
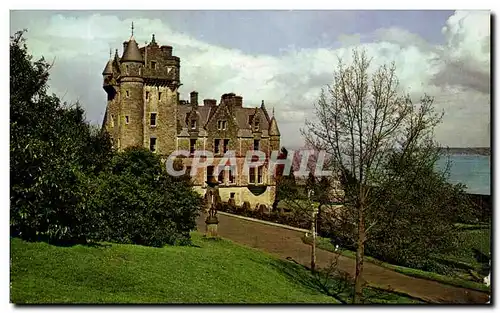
(474, 171)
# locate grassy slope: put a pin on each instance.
(209, 272)
(473, 238)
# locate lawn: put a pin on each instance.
(207, 272)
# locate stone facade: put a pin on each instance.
(144, 109)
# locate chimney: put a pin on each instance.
(194, 98)
(210, 102)
(238, 101)
(167, 50)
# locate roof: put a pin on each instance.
(132, 53)
(241, 114)
(273, 128)
(108, 70)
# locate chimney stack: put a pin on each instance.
(238, 101)
(194, 98)
(167, 50)
(210, 102)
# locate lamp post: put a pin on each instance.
(212, 221)
(313, 231)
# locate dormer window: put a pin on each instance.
(193, 124)
(153, 65)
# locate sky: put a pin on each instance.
(281, 57)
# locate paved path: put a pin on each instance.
(288, 243)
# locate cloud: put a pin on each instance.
(457, 72)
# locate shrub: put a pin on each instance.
(142, 204)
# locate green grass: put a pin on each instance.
(207, 272)
(325, 244)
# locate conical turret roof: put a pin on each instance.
(132, 53)
(108, 70)
(273, 128)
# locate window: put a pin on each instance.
(127, 93)
(112, 121)
(192, 145)
(251, 175)
(255, 175)
(216, 146)
(153, 119)
(153, 65)
(152, 144)
(231, 178)
(193, 124)
(259, 174)
(226, 145)
(127, 120)
(250, 119)
(256, 144)
(147, 95)
(221, 125)
(159, 96)
(231, 195)
(126, 69)
(256, 128)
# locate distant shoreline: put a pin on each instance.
(468, 151)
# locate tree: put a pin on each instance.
(54, 155)
(361, 120)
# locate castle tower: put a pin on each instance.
(131, 85)
(142, 97)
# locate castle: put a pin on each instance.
(144, 109)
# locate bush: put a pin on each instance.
(142, 204)
(54, 156)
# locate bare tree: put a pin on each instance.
(360, 119)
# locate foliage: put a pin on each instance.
(285, 182)
(54, 154)
(141, 204)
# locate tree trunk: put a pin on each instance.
(313, 246)
(360, 254)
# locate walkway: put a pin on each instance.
(288, 243)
